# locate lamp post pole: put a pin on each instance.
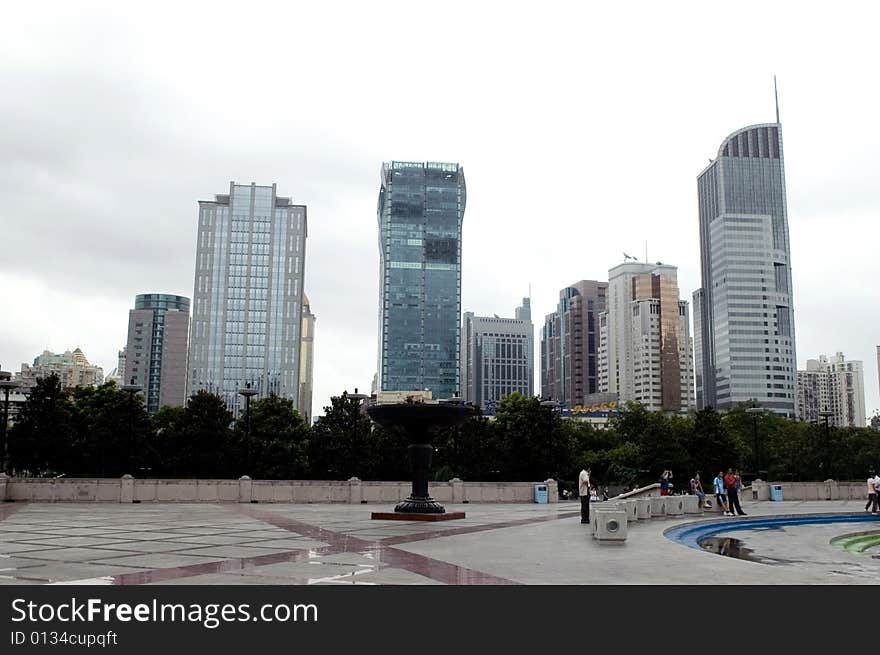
(248, 393)
(826, 415)
(7, 385)
(755, 412)
(358, 398)
(550, 406)
(132, 389)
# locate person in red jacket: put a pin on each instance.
(731, 484)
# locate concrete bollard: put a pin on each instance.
(674, 505)
(552, 490)
(630, 507)
(692, 505)
(609, 525)
(658, 507)
(643, 508)
(126, 492)
(245, 489)
(355, 491)
(457, 490)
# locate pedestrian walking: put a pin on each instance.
(584, 492)
(873, 493)
(720, 493)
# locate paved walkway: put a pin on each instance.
(339, 544)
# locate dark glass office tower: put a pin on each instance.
(420, 212)
(744, 320)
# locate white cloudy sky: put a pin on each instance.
(581, 128)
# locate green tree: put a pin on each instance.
(710, 445)
(198, 446)
(166, 436)
(41, 440)
(340, 440)
(278, 443)
(111, 430)
(537, 443)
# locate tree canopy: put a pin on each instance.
(106, 431)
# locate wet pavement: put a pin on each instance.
(337, 544)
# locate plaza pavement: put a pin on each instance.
(94, 543)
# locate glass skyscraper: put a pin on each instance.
(247, 300)
(744, 321)
(420, 213)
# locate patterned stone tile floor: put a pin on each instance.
(340, 545)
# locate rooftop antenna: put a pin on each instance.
(646, 251)
(776, 98)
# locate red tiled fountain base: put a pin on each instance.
(412, 516)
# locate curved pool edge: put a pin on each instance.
(692, 533)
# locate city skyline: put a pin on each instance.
(573, 225)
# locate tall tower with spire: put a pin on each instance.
(743, 313)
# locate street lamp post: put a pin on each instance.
(132, 389)
(7, 385)
(358, 399)
(550, 406)
(248, 393)
(755, 412)
(826, 414)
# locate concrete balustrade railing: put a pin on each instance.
(827, 490)
(244, 490)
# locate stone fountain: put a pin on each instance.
(417, 419)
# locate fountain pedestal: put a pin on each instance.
(417, 420)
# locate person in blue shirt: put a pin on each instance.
(720, 494)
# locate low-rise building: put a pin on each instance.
(71, 367)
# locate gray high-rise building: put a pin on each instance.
(420, 213)
(248, 295)
(497, 357)
(156, 351)
(744, 320)
(570, 344)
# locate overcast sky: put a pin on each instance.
(581, 128)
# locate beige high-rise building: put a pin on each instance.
(72, 368)
(306, 360)
(156, 351)
(645, 347)
(835, 385)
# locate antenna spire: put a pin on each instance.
(776, 98)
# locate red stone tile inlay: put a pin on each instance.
(381, 551)
(8, 509)
(466, 529)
